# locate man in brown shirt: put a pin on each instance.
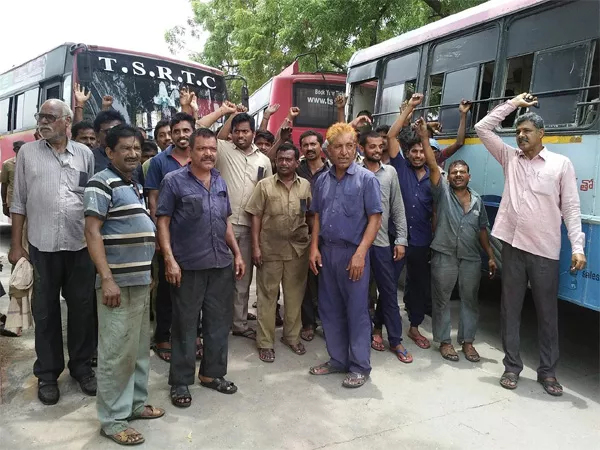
(280, 250)
(7, 178)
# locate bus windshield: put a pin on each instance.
(316, 103)
(145, 90)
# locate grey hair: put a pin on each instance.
(534, 118)
(64, 107)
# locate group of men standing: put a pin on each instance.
(317, 227)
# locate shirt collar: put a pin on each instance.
(381, 166)
(350, 170)
(68, 148)
(214, 173)
(118, 173)
(542, 154)
(296, 178)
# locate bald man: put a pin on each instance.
(50, 177)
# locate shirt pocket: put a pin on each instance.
(221, 200)
(192, 207)
(352, 203)
(76, 180)
(544, 184)
(275, 207)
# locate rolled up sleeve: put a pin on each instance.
(19, 200)
(166, 199)
(372, 197)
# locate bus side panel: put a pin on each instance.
(6, 143)
(487, 179)
(281, 92)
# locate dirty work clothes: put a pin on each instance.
(388, 311)
(123, 358)
(445, 271)
(344, 310)
(73, 273)
(292, 275)
(417, 293)
(208, 291)
(519, 267)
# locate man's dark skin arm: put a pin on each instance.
(16, 242)
(111, 294)
(255, 233)
(4, 193)
(463, 108)
(434, 171)
(484, 240)
(392, 136)
(356, 266)
(172, 269)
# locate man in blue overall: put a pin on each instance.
(347, 208)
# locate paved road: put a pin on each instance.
(430, 404)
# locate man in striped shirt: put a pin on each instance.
(121, 242)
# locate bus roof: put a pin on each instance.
(465, 19)
(130, 52)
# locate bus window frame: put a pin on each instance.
(49, 84)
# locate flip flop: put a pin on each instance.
(161, 352)
(377, 343)
(403, 356)
(324, 369)
(421, 342)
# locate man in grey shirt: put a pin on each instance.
(50, 177)
(384, 253)
(460, 232)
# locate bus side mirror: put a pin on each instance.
(245, 96)
(84, 67)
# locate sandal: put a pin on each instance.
(421, 341)
(155, 413)
(402, 355)
(377, 342)
(307, 334)
(247, 333)
(180, 396)
(162, 352)
(221, 385)
(354, 380)
(266, 355)
(199, 351)
(447, 351)
(509, 380)
(250, 316)
(551, 386)
(324, 369)
(126, 437)
(298, 348)
(470, 353)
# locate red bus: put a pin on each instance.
(144, 87)
(313, 93)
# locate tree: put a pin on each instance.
(258, 38)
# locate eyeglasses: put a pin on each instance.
(50, 118)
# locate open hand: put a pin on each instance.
(356, 266)
(172, 272)
(272, 109)
(80, 96)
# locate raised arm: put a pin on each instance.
(392, 136)
(283, 134)
(207, 121)
(434, 170)
(486, 126)
(272, 109)
(81, 99)
(446, 153)
(233, 111)
(340, 104)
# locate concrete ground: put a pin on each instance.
(429, 404)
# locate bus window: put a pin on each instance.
(518, 80)
(555, 69)
(362, 98)
(4, 119)
(19, 111)
(391, 99)
(485, 91)
(52, 91)
(458, 85)
(317, 103)
(436, 84)
(590, 111)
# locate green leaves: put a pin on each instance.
(258, 38)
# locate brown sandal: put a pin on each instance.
(266, 355)
(470, 353)
(308, 334)
(447, 351)
(298, 348)
(126, 437)
(155, 413)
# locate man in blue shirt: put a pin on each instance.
(195, 236)
(347, 207)
(173, 158)
(413, 175)
(120, 238)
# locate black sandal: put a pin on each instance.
(161, 352)
(221, 385)
(247, 333)
(551, 386)
(180, 396)
(509, 380)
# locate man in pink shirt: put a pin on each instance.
(540, 190)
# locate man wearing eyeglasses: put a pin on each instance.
(50, 177)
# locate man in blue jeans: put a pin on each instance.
(383, 254)
(347, 207)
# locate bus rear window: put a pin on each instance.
(316, 103)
